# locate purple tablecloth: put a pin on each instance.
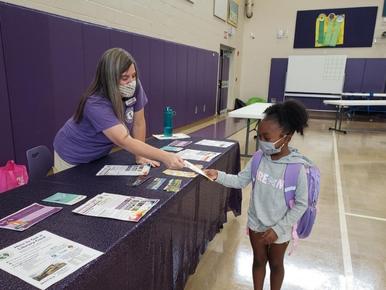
(158, 252)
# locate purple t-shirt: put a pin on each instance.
(85, 141)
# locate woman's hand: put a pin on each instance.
(269, 236)
(143, 160)
(212, 173)
(173, 161)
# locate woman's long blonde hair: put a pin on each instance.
(113, 63)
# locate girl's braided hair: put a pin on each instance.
(291, 116)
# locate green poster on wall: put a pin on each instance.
(329, 30)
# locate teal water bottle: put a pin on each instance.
(168, 121)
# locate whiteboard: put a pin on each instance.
(322, 74)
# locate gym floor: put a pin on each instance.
(347, 245)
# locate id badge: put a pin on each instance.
(130, 102)
(129, 114)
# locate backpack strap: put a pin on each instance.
(256, 159)
(291, 176)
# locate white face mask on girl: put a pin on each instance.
(128, 90)
(269, 148)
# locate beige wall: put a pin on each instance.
(174, 20)
(194, 24)
(270, 16)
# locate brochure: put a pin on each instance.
(156, 183)
(179, 143)
(124, 170)
(27, 217)
(115, 206)
(198, 155)
(196, 169)
(65, 198)
(174, 136)
(171, 148)
(179, 173)
(174, 185)
(214, 143)
(139, 180)
(44, 259)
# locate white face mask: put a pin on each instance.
(269, 148)
(128, 90)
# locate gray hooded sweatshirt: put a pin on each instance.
(267, 208)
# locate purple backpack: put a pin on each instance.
(303, 227)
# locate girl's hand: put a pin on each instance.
(212, 173)
(269, 236)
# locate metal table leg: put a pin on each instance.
(338, 120)
(257, 136)
(247, 140)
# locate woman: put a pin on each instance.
(110, 112)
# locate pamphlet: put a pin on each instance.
(156, 183)
(115, 206)
(174, 136)
(214, 143)
(27, 217)
(196, 169)
(198, 155)
(45, 258)
(179, 173)
(174, 185)
(172, 148)
(139, 180)
(65, 198)
(179, 143)
(124, 170)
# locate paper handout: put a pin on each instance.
(27, 217)
(173, 137)
(124, 170)
(116, 206)
(174, 185)
(214, 143)
(196, 169)
(179, 173)
(199, 155)
(179, 143)
(171, 148)
(45, 258)
(65, 198)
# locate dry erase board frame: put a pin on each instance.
(315, 75)
(358, 29)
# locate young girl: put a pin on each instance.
(270, 221)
